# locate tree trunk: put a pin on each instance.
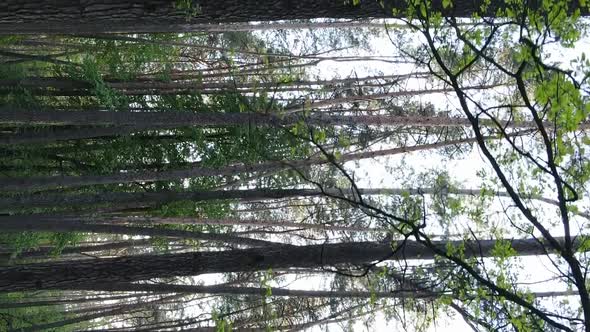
(48, 223)
(65, 86)
(36, 183)
(46, 251)
(376, 96)
(247, 27)
(131, 121)
(150, 199)
(144, 16)
(281, 292)
(122, 309)
(56, 302)
(169, 119)
(234, 222)
(229, 290)
(54, 134)
(66, 275)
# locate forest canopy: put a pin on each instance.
(200, 165)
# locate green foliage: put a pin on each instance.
(221, 324)
(15, 318)
(189, 7)
(503, 250)
(16, 96)
(61, 240)
(22, 241)
(106, 96)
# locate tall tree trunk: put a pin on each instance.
(47, 223)
(69, 86)
(281, 292)
(331, 317)
(127, 122)
(246, 27)
(54, 134)
(56, 302)
(233, 222)
(203, 119)
(276, 223)
(135, 16)
(376, 96)
(149, 199)
(122, 309)
(46, 251)
(66, 275)
(30, 183)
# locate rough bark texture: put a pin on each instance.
(65, 275)
(169, 119)
(111, 16)
(145, 199)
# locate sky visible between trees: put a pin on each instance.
(294, 166)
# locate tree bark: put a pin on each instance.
(135, 16)
(248, 27)
(229, 290)
(234, 222)
(281, 292)
(122, 309)
(376, 96)
(65, 86)
(66, 275)
(169, 119)
(56, 302)
(54, 134)
(46, 251)
(36, 183)
(149, 199)
(49, 223)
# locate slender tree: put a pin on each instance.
(61, 275)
